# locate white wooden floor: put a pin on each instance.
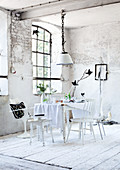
(16, 153)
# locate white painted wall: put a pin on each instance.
(88, 44)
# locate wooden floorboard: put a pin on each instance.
(12, 163)
(99, 155)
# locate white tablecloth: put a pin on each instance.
(51, 111)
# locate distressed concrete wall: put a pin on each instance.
(92, 45)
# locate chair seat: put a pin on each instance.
(77, 120)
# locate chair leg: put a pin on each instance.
(38, 132)
(91, 125)
(51, 134)
(46, 128)
(100, 130)
(42, 131)
(90, 128)
(31, 132)
(82, 133)
(69, 129)
(84, 128)
(103, 129)
(80, 125)
(25, 126)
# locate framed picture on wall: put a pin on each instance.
(101, 71)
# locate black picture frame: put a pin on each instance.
(101, 72)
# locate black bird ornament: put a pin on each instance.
(35, 32)
(82, 94)
(74, 83)
(89, 72)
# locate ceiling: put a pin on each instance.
(17, 4)
(79, 12)
(87, 17)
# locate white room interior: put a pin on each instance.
(92, 34)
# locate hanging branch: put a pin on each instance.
(85, 75)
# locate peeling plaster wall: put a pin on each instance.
(20, 84)
(92, 45)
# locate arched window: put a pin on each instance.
(41, 57)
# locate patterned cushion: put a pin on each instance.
(15, 109)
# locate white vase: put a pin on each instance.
(42, 97)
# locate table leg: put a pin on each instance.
(64, 129)
(67, 117)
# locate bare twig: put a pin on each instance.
(84, 76)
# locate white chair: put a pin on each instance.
(41, 122)
(20, 112)
(85, 116)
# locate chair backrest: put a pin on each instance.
(88, 109)
(17, 110)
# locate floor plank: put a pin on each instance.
(12, 163)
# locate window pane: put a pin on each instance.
(48, 89)
(3, 86)
(39, 72)
(33, 45)
(41, 34)
(46, 72)
(34, 72)
(47, 36)
(56, 70)
(46, 47)
(34, 32)
(56, 85)
(40, 46)
(34, 86)
(47, 60)
(3, 66)
(40, 59)
(34, 58)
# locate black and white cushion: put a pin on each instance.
(17, 110)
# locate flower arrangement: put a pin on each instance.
(42, 88)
